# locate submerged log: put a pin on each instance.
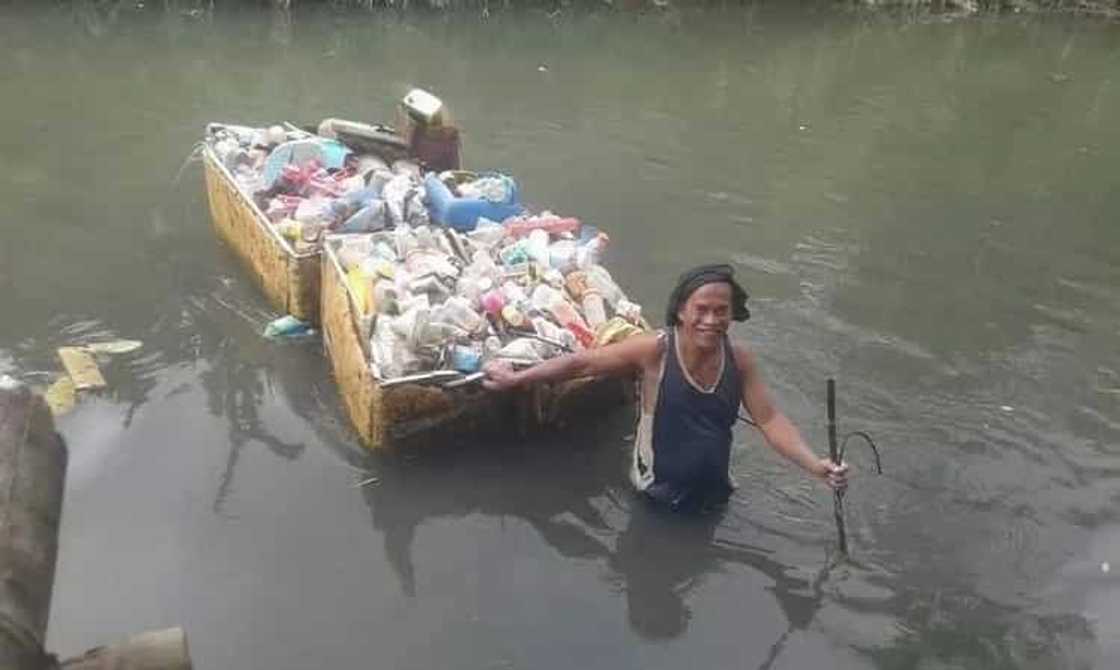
(32, 472)
(155, 650)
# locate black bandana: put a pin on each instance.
(707, 274)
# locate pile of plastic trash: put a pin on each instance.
(432, 298)
(447, 270)
(309, 186)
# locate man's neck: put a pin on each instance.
(694, 356)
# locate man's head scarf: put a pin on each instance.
(707, 274)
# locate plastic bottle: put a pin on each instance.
(385, 298)
(515, 295)
(521, 226)
(373, 266)
(492, 302)
(593, 308)
(630, 311)
(465, 359)
(514, 254)
(353, 251)
(289, 229)
(391, 353)
(408, 326)
(287, 326)
(522, 349)
(458, 311)
(553, 278)
(512, 315)
(483, 265)
(423, 262)
(438, 333)
(551, 301)
(487, 233)
(599, 279)
(536, 246)
(429, 284)
(313, 209)
(591, 252)
(550, 330)
(562, 255)
(472, 287)
(408, 302)
(365, 220)
(361, 287)
(491, 346)
(425, 238)
(384, 250)
(405, 241)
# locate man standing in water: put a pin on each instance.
(693, 379)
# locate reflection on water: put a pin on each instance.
(923, 210)
(580, 505)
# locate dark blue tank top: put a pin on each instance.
(692, 432)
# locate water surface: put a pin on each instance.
(922, 209)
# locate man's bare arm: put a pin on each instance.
(779, 432)
(626, 357)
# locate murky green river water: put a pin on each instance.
(924, 210)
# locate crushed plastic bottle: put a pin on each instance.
(521, 349)
(601, 280)
(404, 241)
(288, 327)
(589, 298)
(591, 252)
(550, 331)
(513, 316)
(630, 311)
(549, 300)
(465, 359)
(487, 233)
(392, 356)
(536, 247)
(370, 218)
(458, 311)
(521, 226)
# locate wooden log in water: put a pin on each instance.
(154, 650)
(32, 474)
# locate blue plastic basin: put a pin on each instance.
(462, 214)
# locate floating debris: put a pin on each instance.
(113, 348)
(287, 327)
(61, 396)
(82, 368)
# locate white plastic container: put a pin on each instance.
(423, 106)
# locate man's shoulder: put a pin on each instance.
(744, 356)
(644, 349)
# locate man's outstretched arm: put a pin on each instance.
(626, 357)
